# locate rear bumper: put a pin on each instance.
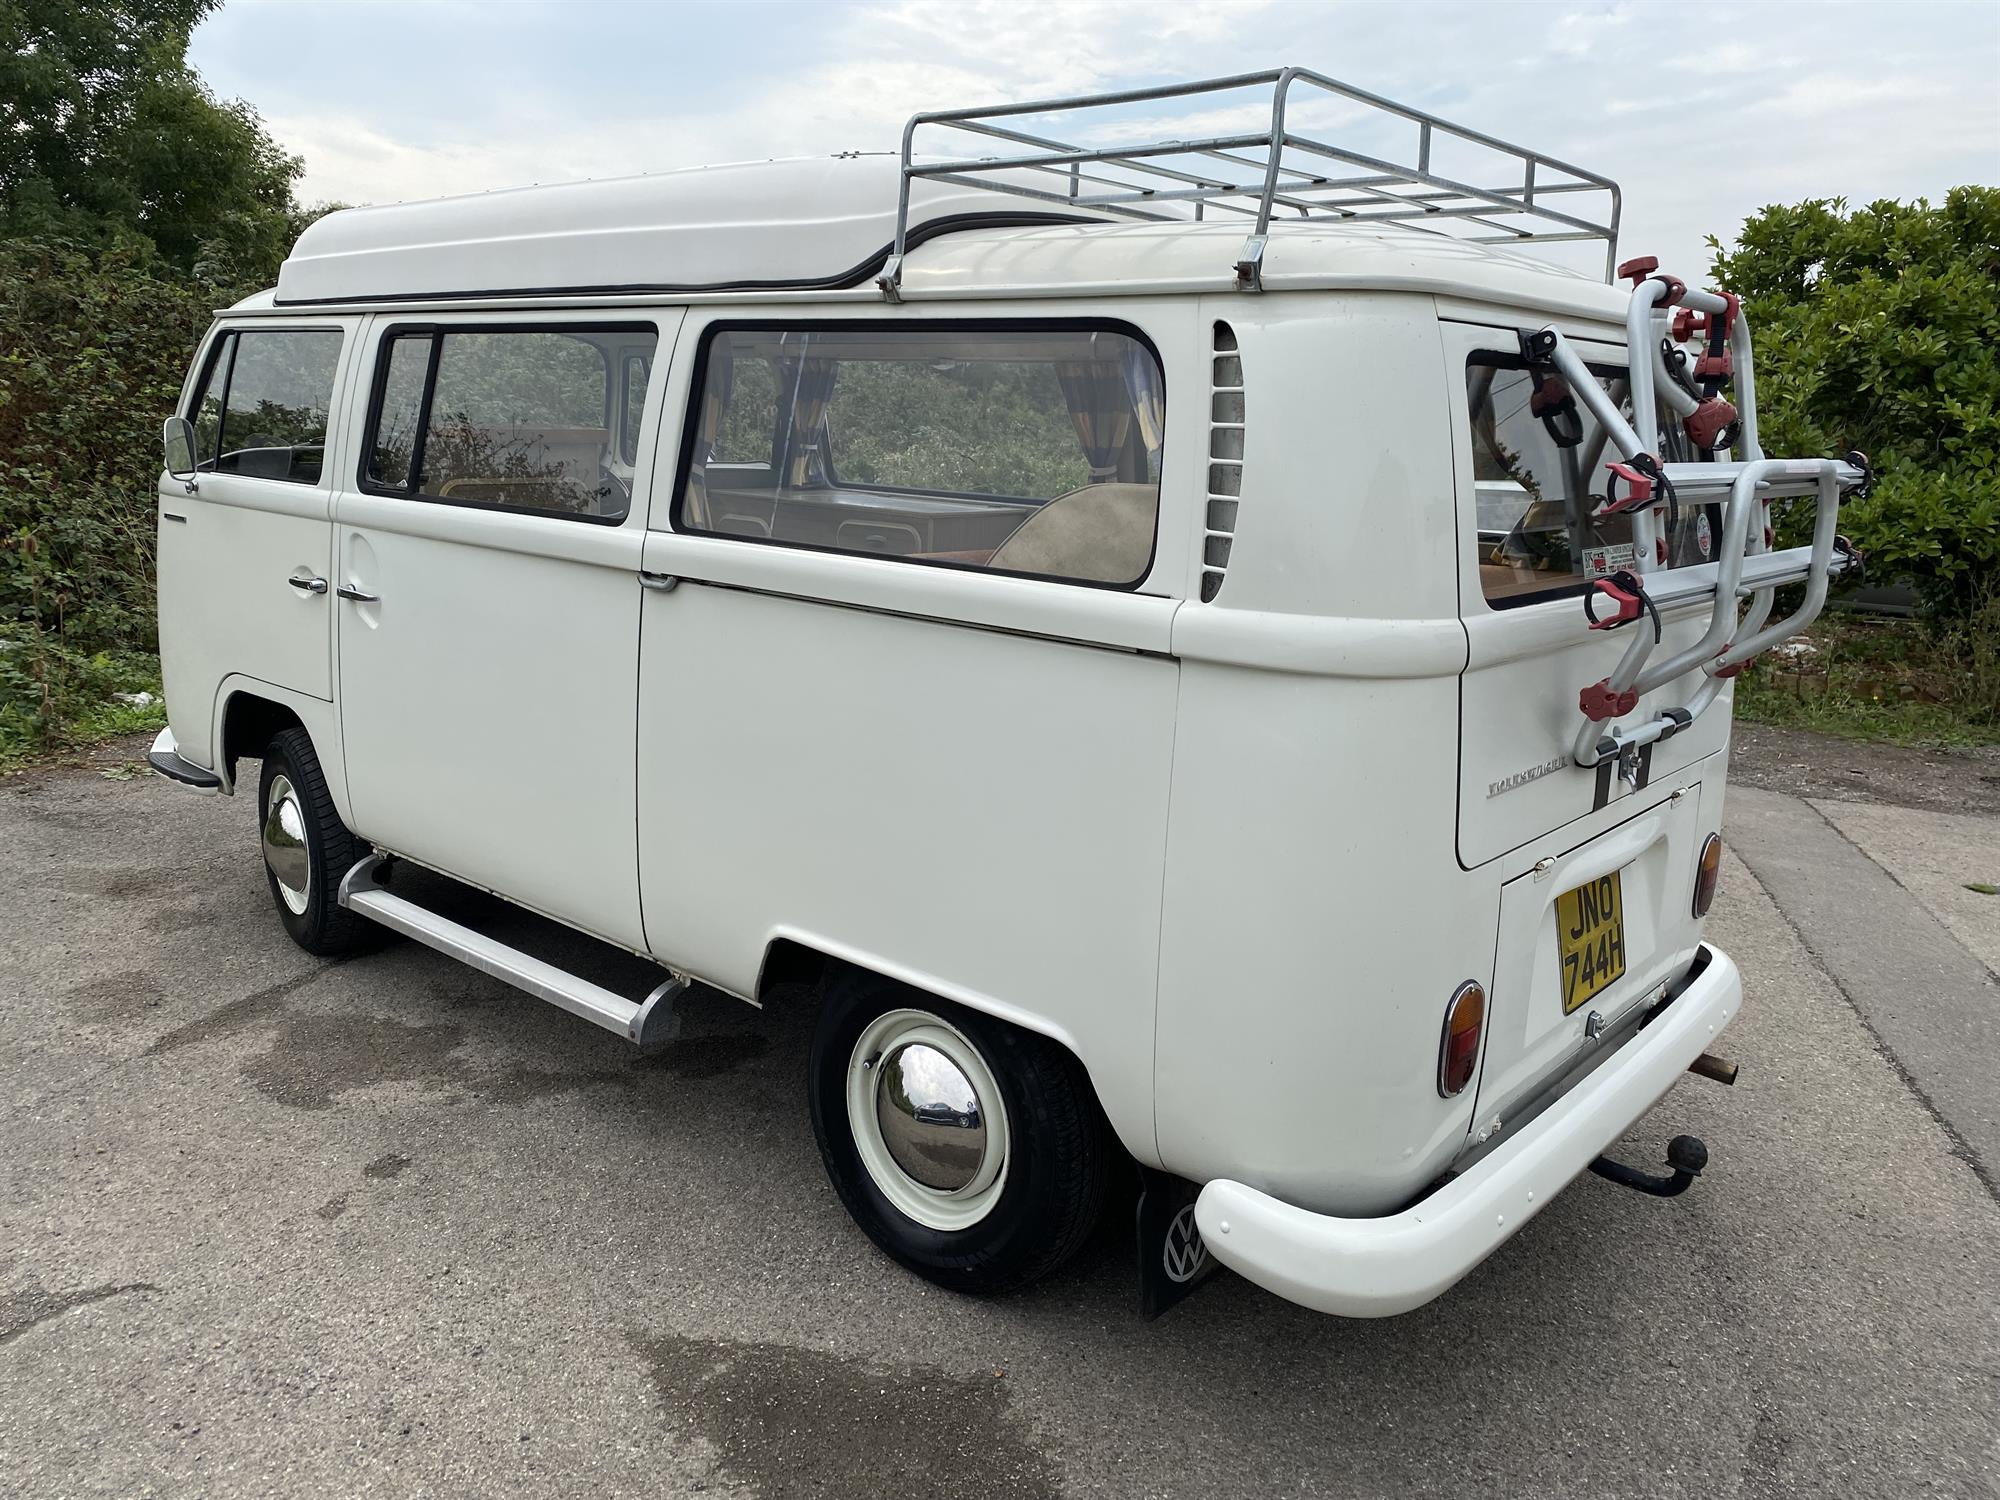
(165, 757)
(1372, 1268)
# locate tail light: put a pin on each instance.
(1707, 873)
(1458, 1051)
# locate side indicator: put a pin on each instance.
(1458, 1050)
(1707, 873)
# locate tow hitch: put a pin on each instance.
(1685, 1154)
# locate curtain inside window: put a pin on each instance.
(811, 384)
(1149, 402)
(720, 381)
(1101, 407)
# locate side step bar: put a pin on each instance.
(646, 1021)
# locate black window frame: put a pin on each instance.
(698, 385)
(377, 388)
(226, 341)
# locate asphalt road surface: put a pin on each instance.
(272, 1226)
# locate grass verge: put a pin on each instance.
(1900, 682)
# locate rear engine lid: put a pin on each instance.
(1587, 937)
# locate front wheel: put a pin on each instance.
(307, 849)
(968, 1149)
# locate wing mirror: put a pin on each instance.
(177, 438)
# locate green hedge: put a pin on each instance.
(93, 347)
(1879, 329)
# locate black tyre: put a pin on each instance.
(307, 849)
(970, 1150)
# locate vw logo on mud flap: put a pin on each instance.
(1184, 1255)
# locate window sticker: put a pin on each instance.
(1602, 562)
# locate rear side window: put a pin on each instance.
(532, 419)
(262, 410)
(1538, 468)
(1017, 449)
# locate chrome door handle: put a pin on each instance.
(345, 592)
(308, 585)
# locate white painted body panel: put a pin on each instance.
(908, 794)
(226, 605)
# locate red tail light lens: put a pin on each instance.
(1458, 1052)
(1707, 873)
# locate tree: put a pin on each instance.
(108, 139)
(1879, 329)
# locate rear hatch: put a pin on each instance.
(1593, 867)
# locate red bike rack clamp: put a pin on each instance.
(1639, 489)
(1629, 605)
(1639, 268)
(1712, 424)
(1599, 702)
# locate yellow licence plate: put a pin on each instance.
(1590, 935)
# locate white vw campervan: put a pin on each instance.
(1209, 652)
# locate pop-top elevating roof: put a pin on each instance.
(1261, 150)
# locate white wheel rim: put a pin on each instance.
(285, 851)
(884, 1038)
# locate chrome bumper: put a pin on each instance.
(1373, 1268)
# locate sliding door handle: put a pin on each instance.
(308, 585)
(346, 592)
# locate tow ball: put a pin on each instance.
(1685, 1154)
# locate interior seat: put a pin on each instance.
(1102, 533)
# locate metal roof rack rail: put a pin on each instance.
(1253, 174)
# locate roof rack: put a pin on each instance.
(1253, 174)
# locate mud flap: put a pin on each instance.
(1173, 1261)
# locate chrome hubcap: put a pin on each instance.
(930, 1117)
(927, 1119)
(285, 853)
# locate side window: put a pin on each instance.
(531, 419)
(1017, 449)
(263, 410)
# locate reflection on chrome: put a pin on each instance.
(930, 1117)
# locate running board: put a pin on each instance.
(646, 1021)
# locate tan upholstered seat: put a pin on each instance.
(1102, 532)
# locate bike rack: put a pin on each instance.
(1746, 488)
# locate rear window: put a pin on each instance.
(1538, 469)
(1029, 449)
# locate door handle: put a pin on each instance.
(659, 583)
(347, 592)
(308, 585)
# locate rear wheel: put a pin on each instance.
(307, 849)
(968, 1149)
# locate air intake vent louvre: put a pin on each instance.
(1225, 458)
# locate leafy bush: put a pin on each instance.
(92, 351)
(132, 204)
(1879, 329)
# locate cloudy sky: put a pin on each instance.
(1702, 112)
